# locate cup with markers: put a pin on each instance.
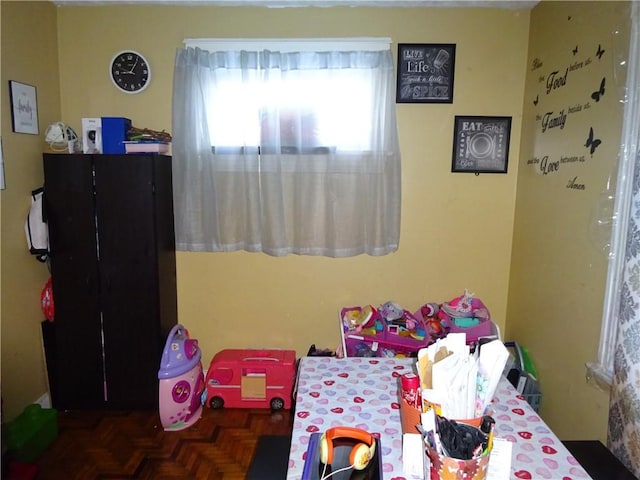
(456, 389)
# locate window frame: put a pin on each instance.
(601, 371)
(290, 44)
(284, 46)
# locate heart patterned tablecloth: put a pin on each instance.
(363, 393)
(537, 452)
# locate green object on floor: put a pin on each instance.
(31, 432)
(527, 362)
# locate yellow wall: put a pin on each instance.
(558, 266)
(456, 229)
(29, 55)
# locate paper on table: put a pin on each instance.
(446, 380)
(461, 383)
(413, 454)
(424, 366)
(457, 343)
(432, 400)
(500, 460)
(472, 388)
(428, 420)
(451, 377)
(451, 344)
(462, 401)
(493, 357)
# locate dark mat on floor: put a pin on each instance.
(597, 460)
(271, 458)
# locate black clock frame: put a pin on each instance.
(130, 71)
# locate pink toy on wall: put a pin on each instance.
(181, 381)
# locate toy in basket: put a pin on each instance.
(468, 314)
(386, 331)
(181, 381)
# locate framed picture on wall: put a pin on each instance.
(425, 72)
(481, 144)
(3, 185)
(24, 108)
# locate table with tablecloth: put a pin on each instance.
(363, 393)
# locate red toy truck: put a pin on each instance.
(240, 378)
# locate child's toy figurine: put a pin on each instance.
(465, 309)
(357, 319)
(392, 313)
(467, 314)
(429, 312)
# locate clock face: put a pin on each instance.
(130, 72)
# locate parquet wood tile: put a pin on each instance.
(110, 445)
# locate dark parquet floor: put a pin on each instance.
(133, 445)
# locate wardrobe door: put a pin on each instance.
(165, 245)
(125, 206)
(69, 205)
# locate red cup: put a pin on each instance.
(410, 389)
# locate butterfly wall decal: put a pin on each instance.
(600, 92)
(592, 143)
(599, 52)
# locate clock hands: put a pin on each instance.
(134, 66)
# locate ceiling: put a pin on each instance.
(513, 4)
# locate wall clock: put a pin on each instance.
(130, 72)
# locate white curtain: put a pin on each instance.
(624, 411)
(286, 169)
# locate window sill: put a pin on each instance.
(599, 377)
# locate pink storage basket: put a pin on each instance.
(382, 343)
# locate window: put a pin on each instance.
(619, 304)
(310, 108)
(286, 147)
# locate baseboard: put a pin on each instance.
(44, 400)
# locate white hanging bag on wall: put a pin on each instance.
(36, 228)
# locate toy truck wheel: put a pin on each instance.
(277, 403)
(216, 402)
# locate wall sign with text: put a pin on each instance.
(425, 72)
(574, 100)
(481, 144)
(24, 108)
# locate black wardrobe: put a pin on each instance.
(113, 274)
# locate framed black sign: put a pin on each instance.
(425, 72)
(24, 108)
(481, 144)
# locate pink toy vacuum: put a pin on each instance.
(181, 381)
